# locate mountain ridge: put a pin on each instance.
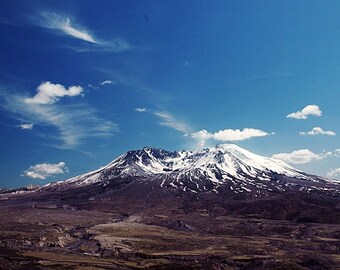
(223, 168)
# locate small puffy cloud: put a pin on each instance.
(169, 121)
(106, 82)
(49, 93)
(27, 126)
(301, 156)
(142, 110)
(333, 173)
(228, 135)
(318, 131)
(45, 170)
(305, 112)
(238, 135)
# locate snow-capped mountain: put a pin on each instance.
(224, 168)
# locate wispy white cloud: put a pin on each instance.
(305, 112)
(74, 122)
(106, 82)
(45, 170)
(301, 156)
(77, 33)
(168, 120)
(228, 135)
(100, 84)
(63, 23)
(333, 173)
(318, 131)
(27, 126)
(49, 93)
(66, 25)
(142, 110)
(115, 45)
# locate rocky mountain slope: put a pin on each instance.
(225, 168)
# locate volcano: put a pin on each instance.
(221, 207)
(226, 168)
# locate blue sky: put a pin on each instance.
(83, 82)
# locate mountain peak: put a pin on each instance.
(223, 167)
(227, 146)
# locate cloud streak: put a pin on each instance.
(313, 110)
(301, 156)
(57, 22)
(74, 122)
(45, 170)
(168, 120)
(77, 33)
(106, 82)
(318, 131)
(67, 26)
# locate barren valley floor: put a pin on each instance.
(53, 237)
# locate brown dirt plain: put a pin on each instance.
(60, 236)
